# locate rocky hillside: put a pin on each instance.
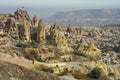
(10, 71)
(95, 17)
(32, 50)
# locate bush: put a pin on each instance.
(95, 73)
(14, 37)
(44, 68)
(78, 53)
(22, 45)
(34, 44)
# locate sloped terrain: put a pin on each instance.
(10, 71)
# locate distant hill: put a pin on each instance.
(92, 17)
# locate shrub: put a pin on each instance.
(44, 68)
(78, 53)
(22, 45)
(34, 44)
(95, 73)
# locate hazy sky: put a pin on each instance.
(60, 3)
(43, 8)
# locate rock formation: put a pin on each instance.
(34, 21)
(35, 53)
(58, 38)
(11, 27)
(2, 25)
(24, 32)
(54, 32)
(41, 38)
(91, 50)
(4, 17)
(21, 16)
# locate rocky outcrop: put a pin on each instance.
(24, 32)
(2, 25)
(11, 27)
(34, 21)
(105, 38)
(58, 38)
(38, 54)
(4, 17)
(91, 50)
(21, 16)
(41, 38)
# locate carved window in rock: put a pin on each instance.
(55, 36)
(64, 45)
(42, 38)
(25, 38)
(13, 29)
(94, 49)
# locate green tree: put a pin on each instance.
(95, 73)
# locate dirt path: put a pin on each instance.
(21, 61)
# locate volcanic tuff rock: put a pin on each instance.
(21, 16)
(35, 21)
(24, 32)
(11, 27)
(103, 38)
(58, 38)
(91, 50)
(41, 37)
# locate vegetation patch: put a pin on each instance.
(95, 73)
(78, 53)
(44, 68)
(33, 44)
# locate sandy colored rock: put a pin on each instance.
(58, 38)
(35, 21)
(41, 38)
(21, 16)
(24, 32)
